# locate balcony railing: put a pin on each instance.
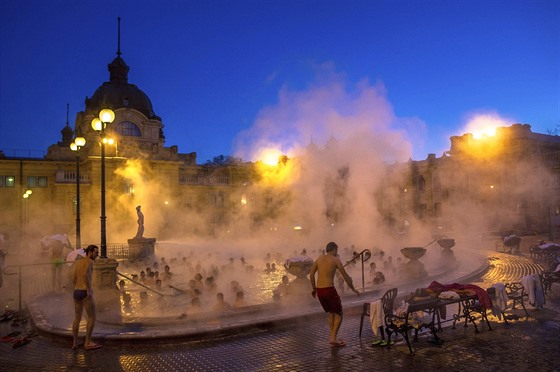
(63, 176)
(203, 180)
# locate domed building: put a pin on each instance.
(139, 169)
(137, 130)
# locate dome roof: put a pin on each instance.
(118, 93)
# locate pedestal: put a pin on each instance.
(300, 268)
(105, 292)
(105, 273)
(141, 247)
(414, 269)
(447, 256)
(300, 287)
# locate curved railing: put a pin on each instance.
(363, 256)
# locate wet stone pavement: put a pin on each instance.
(302, 344)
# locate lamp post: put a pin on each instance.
(26, 196)
(98, 124)
(78, 143)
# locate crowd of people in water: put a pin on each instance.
(208, 287)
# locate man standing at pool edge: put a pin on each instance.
(83, 297)
(326, 267)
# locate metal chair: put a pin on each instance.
(516, 293)
(387, 302)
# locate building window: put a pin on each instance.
(31, 181)
(436, 184)
(9, 181)
(129, 188)
(421, 184)
(1, 181)
(437, 209)
(126, 128)
(217, 199)
(42, 181)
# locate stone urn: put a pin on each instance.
(414, 269)
(446, 243)
(300, 268)
(447, 254)
(513, 242)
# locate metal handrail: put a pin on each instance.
(19, 275)
(364, 256)
(134, 281)
(19, 272)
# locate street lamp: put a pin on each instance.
(106, 116)
(26, 196)
(78, 143)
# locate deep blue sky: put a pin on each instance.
(211, 68)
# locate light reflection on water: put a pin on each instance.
(257, 287)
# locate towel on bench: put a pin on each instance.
(532, 285)
(499, 301)
(376, 316)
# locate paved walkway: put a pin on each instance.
(301, 344)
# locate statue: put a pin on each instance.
(140, 221)
(140, 247)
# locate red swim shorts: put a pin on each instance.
(330, 300)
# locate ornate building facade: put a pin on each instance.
(506, 182)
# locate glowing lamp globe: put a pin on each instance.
(80, 141)
(107, 115)
(97, 125)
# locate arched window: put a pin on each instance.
(126, 128)
(421, 184)
(436, 182)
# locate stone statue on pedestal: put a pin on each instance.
(139, 246)
(140, 221)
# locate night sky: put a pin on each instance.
(219, 73)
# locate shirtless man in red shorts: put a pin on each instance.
(326, 267)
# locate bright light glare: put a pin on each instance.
(484, 125)
(107, 115)
(97, 124)
(270, 156)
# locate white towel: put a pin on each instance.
(376, 316)
(528, 284)
(539, 293)
(499, 303)
(532, 285)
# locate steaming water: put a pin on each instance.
(209, 260)
(257, 284)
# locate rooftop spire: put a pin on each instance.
(67, 111)
(118, 69)
(119, 36)
(66, 132)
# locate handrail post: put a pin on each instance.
(364, 255)
(363, 275)
(19, 287)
